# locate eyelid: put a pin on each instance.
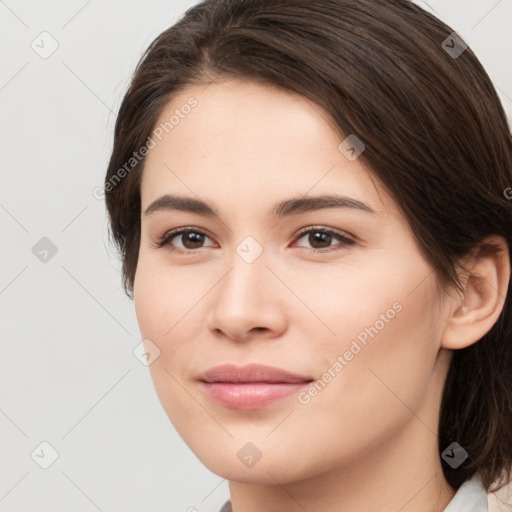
(307, 229)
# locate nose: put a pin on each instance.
(248, 302)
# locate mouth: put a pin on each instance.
(250, 387)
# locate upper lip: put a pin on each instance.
(251, 373)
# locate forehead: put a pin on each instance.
(254, 140)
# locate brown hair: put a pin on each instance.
(435, 135)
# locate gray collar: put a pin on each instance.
(470, 497)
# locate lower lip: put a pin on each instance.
(255, 395)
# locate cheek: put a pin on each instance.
(161, 304)
(365, 305)
(169, 305)
(162, 301)
(383, 331)
(163, 296)
(388, 350)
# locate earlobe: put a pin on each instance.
(477, 309)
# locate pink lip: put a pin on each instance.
(250, 387)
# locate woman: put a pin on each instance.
(313, 207)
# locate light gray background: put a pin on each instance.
(68, 373)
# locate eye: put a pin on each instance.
(320, 238)
(191, 238)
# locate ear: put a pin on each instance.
(474, 311)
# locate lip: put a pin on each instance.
(252, 386)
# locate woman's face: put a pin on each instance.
(356, 311)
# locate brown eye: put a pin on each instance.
(192, 239)
(322, 238)
(187, 239)
(319, 240)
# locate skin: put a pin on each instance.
(367, 441)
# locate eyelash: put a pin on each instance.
(344, 240)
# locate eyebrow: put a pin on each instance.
(293, 206)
